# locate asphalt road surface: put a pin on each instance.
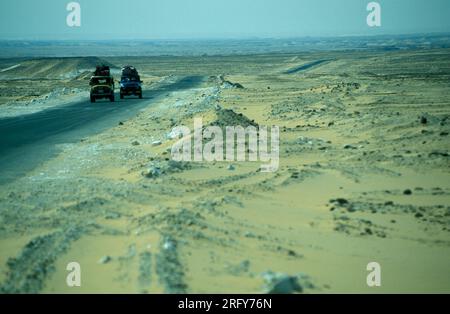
(27, 140)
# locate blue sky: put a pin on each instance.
(180, 19)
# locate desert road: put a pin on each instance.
(27, 140)
(363, 175)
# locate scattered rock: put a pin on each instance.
(438, 154)
(278, 283)
(249, 234)
(168, 245)
(166, 166)
(156, 143)
(407, 192)
(227, 117)
(153, 172)
(112, 215)
(105, 259)
(231, 167)
(227, 84)
(239, 269)
(340, 201)
(292, 253)
(174, 135)
(135, 143)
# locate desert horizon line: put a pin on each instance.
(226, 38)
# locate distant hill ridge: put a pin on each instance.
(69, 67)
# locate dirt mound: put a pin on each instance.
(228, 117)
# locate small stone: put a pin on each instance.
(112, 215)
(156, 143)
(279, 283)
(340, 201)
(248, 234)
(168, 245)
(285, 285)
(105, 259)
(153, 172)
(292, 253)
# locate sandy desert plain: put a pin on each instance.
(364, 176)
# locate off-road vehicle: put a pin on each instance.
(102, 87)
(102, 84)
(130, 82)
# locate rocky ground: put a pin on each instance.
(363, 176)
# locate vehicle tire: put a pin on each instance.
(92, 99)
(111, 98)
(140, 95)
(121, 96)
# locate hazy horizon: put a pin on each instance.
(214, 20)
(205, 39)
